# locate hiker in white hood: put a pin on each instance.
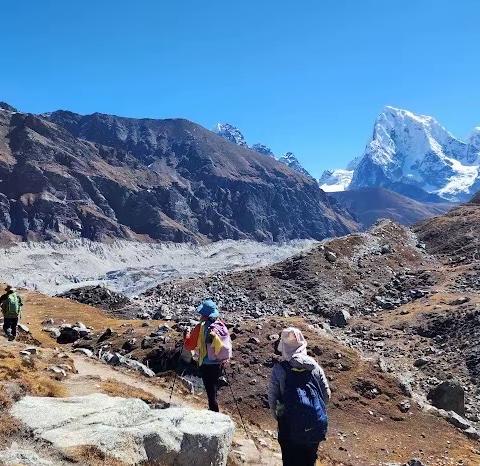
(298, 395)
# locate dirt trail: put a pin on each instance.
(89, 370)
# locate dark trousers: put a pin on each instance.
(10, 324)
(210, 374)
(298, 454)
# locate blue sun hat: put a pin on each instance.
(208, 309)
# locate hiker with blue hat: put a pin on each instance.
(211, 340)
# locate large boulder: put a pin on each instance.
(340, 318)
(449, 395)
(128, 429)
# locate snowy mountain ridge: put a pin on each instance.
(233, 134)
(410, 152)
(230, 133)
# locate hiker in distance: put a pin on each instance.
(11, 305)
(298, 396)
(211, 341)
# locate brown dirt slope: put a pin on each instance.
(370, 204)
(454, 236)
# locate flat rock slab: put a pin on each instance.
(127, 429)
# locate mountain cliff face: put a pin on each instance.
(414, 155)
(100, 176)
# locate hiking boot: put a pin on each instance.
(11, 338)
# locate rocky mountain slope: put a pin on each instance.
(370, 204)
(99, 176)
(410, 152)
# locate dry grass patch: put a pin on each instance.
(27, 375)
(92, 456)
(114, 388)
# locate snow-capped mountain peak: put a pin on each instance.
(230, 133)
(412, 153)
(233, 134)
(335, 180)
(292, 162)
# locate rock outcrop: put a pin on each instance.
(128, 430)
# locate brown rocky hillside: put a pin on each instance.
(101, 176)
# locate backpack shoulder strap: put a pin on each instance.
(286, 366)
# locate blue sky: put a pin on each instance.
(308, 76)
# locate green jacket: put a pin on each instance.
(11, 305)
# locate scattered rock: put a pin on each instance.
(414, 462)
(88, 353)
(130, 345)
(23, 328)
(330, 256)
(105, 335)
(420, 362)
(459, 301)
(68, 334)
(472, 433)
(458, 421)
(116, 359)
(340, 318)
(53, 331)
(404, 406)
(58, 371)
(386, 249)
(448, 395)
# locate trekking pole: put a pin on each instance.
(236, 403)
(175, 376)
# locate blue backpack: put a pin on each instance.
(305, 417)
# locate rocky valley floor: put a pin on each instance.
(373, 418)
(391, 314)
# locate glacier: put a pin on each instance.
(131, 267)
